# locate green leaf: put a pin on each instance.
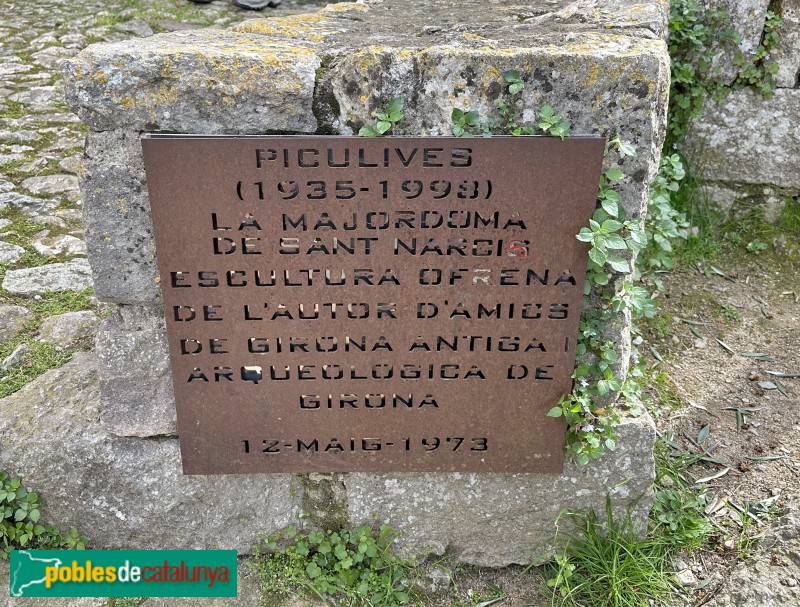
(313, 570)
(383, 126)
(612, 225)
(511, 75)
(472, 118)
(516, 87)
(368, 131)
(619, 265)
(610, 207)
(395, 105)
(598, 256)
(615, 174)
(546, 111)
(615, 241)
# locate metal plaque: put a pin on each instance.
(349, 304)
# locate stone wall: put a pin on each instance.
(603, 65)
(746, 147)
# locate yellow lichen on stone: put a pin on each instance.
(594, 72)
(99, 76)
(345, 7)
(306, 27)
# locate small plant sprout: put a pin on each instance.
(462, 121)
(553, 124)
(387, 119)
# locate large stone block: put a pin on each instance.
(119, 230)
(747, 18)
(127, 492)
(747, 139)
(501, 519)
(135, 383)
(216, 81)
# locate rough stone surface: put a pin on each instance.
(63, 244)
(787, 53)
(38, 98)
(30, 205)
(51, 184)
(127, 492)
(500, 519)
(16, 357)
(9, 253)
(73, 275)
(747, 17)
(136, 385)
(747, 139)
(246, 86)
(119, 230)
(135, 27)
(71, 164)
(12, 320)
(772, 579)
(65, 330)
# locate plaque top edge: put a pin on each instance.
(353, 137)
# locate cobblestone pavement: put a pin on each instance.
(46, 307)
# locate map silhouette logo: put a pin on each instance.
(28, 570)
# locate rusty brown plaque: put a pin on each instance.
(348, 304)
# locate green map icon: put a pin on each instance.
(28, 570)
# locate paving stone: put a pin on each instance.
(62, 244)
(135, 27)
(20, 136)
(12, 320)
(50, 184)
(4, 158)
(50, 220)
(34, 165)
(17, 357)
(9, 253)
(73, 40)
(71, 164)
(30, 205)
(38, 97)
(52, 56)
(9, 69)
(65, 330)
(73, 275)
